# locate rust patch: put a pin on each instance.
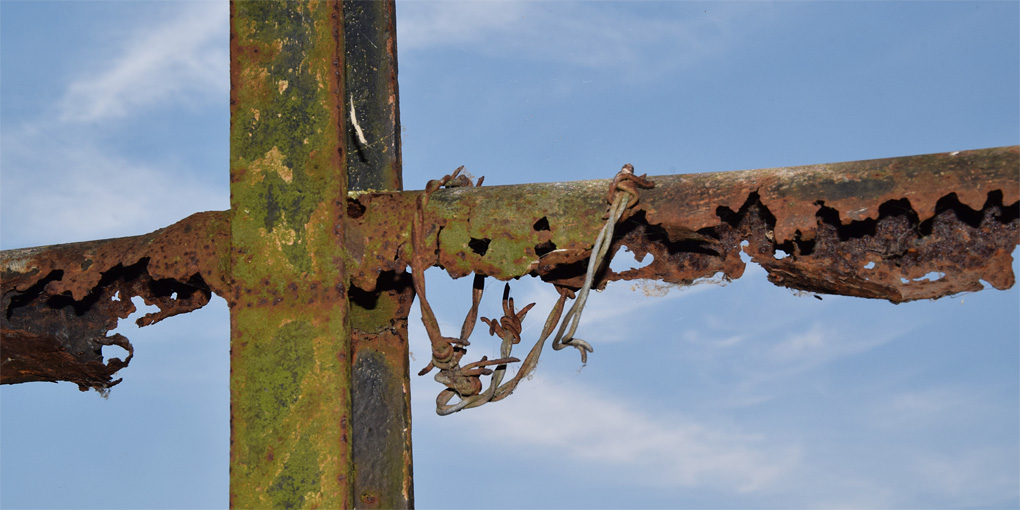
(901, 229)
(60, 301)
(897, 256)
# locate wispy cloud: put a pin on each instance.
(66, 192)
(583, 34)
(63, 179)
(966, 476)
(551, 416)
(918, 408)
(183, 59)
(598, 428)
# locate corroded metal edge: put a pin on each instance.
(876, 229)
(872, 228)
(60, 301)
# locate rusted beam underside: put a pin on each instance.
(871, 228)
(60, 301)
(899, 229)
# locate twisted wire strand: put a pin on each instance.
(463, 382)
(599, 250)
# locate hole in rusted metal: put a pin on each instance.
(479, 246)
(543, 248)
(631, 261)
(363, 298)
(636, 232)
(387, 282)
(933, 276)
(33, 292)
(126, 325)
(61, 338)
(114, 351)
(868, 227)
(752, 204)
(541, 224)
(355, 209)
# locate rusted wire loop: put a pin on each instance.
(465, 382)
(444, 355)
(627, 182)
(510, 323)
(531, 361)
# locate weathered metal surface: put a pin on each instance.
(873, 228)
(59, 302)
(380, 383)
(381, 393)
(290, 326)
(370, 60)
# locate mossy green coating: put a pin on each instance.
(290, 377)
(376, 317)
(273, 380)
(276, 136)
(299, 477)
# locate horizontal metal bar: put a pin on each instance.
(871, 228)
(900, 229)
(60, 301)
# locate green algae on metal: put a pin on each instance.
(274, 381)
(299, 477)
(289, 323)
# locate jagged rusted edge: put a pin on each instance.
(59, 302)
(841, 228)
(875, 229)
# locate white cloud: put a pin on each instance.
(976, 478)
(609, 316)
(584, 34)
(596, 429)
(62, 181)
(180, 60)
(65, 192)
(427, 25)
(810, 343)
(919, 408)
(550, 416)
(823, 343)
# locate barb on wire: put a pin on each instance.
(465, 381)
(448, 351)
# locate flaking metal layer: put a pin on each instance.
(60, 301)
(899, 229)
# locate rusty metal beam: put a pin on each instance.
(869, 228)
(60, 301)
(872, 229)
(380, 371)
(370, 66)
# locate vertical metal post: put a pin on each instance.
(290, 334)
(380, 384)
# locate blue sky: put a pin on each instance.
(114, 122)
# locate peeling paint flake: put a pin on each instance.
(272, 162)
